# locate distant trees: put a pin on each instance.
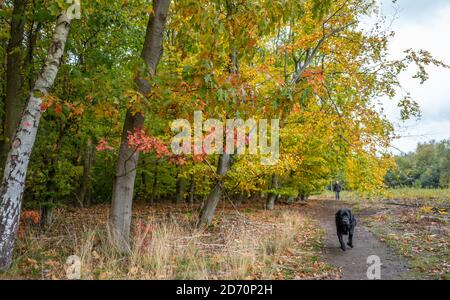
(427, 167)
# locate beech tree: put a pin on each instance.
(123, 186)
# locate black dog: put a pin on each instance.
(345, 224)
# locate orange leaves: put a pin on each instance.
(58, 109)
(32, 216)
(61, 107)
(76, 109)
(314, 73)
(178, 160)
(28, 217)
(314, 78)
(47, 102)
(201, 104)
(296, 109)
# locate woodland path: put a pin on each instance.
(353, 262)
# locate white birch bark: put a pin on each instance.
(13, 183)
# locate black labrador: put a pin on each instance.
(345, 224)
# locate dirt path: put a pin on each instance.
(353, 261)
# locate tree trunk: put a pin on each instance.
(123, 185)
(225, 160)
(85, 185)
(14, 101)
(143, 183)
(16, 167)
(191, 190)
(46, 216)
(47, 206)
(51, 186)
(180, 188)
(154, 185)
(125, 176)
(272, 197)
(302, 197)
(210, 205)
(240, 199)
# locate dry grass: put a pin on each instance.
(410, 194)
(253, 245)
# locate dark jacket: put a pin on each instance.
(337, 187)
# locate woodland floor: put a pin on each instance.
(295, 241)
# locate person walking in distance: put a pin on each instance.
(337, 188)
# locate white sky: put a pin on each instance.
(421, 24)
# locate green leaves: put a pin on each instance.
(409, 108)
(321, 7)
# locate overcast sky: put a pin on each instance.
(421, 24)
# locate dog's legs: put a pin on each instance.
(341, 241)
(350, 238)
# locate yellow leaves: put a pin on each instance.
(106, 110)
(303, 42)
(136, 101)
(426, 209)
(443, 211)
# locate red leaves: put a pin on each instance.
(144, 143)
(103, 146)
(143, 233)
(140, 141)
